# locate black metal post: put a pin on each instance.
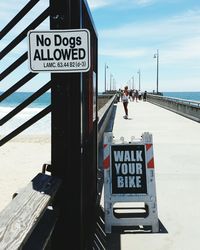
(66, 135)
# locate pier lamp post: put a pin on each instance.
(106, 67)
(114, 84)
(156, 55)
(111, 76)
(132, 82)
(129, 84)
(139, 73)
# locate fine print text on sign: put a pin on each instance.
(59, 50)
(128, 169)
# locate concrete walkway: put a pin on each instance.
(177, 168)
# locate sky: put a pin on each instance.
(130, 34)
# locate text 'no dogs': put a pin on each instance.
(59, 50)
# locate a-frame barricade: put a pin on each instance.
(129, 183)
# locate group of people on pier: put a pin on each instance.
(127, 95)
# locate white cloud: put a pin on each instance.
(185, 51)
(95, 4)
(122, 53)
(183, 25)
(144, 2)
(179, 83)
(177, 37)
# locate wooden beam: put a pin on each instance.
(22, 214)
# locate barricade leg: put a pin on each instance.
(108, 228)
(155, 227)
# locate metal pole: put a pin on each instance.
(66, 135)
(139, 77)
(139, 80)
(133, 82)
(157, 71)
(105, 76)
(111, 81)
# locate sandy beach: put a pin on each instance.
(20, 160)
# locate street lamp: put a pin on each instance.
(114, 84)
(111, 76)
(106, 67)
(157, 57)
(139, 78)
(132, 82)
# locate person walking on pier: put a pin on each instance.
(136, 95)
(131, 95)
(125, 101)
(118, 94)
(145, 96)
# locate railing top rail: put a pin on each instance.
(104, 109)
(179, 100)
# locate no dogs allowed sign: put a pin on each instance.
(59, 50)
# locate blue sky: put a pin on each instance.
(129, 34)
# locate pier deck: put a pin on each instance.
(176, 141)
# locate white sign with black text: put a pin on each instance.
(59, 50)
(128, 169)
(129, 182)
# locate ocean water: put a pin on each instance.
(194, 96)
(18, 97)
(43, 127)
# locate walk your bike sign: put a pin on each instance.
(128, 169)
(129, 182)
(59, 50)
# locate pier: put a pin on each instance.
(176, 142)
(63, 205)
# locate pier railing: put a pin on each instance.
(103, 99)
(187, 108)
(104, 114)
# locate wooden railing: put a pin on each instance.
(28, 221)
(21, 220)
